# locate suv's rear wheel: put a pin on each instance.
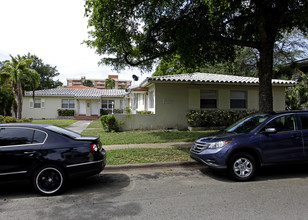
(49, 180)
(242, 166)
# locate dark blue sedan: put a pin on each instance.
(258, 140)
(47, 155)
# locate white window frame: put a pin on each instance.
(208, 95)
(70, 104)
(238, 95)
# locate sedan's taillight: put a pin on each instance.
(94, 147)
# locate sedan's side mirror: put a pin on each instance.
(270, 131)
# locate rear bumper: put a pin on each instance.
(86, 169)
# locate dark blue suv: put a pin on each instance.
(254, 141)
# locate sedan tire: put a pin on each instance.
(242, 167)
(49, 180)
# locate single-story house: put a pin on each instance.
(86, 102)
(171, 97)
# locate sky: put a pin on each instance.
(53, 30)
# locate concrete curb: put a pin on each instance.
(148, 145)
(152, 165)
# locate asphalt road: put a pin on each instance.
(166, 193)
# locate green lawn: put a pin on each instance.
(58, 122)
(147, 155)
(140, 136)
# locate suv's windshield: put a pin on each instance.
(247, 124)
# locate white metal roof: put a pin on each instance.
(211, 78)
(86, 93)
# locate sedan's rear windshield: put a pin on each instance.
(63, 131)
(247, 124)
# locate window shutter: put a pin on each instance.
(31, 103)
(42, 103)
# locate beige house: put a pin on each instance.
(86, 102)
(171, 97)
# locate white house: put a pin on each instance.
(171, 97)
(86, 102)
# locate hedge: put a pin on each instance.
(11, 119)
(66, 112)
(215, 118)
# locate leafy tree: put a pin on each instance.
(88, 83)
(46, 71)
(6, 96)
(19, 74)
(110, 83)
(138, 33)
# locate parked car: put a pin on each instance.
(47, 155)
(258, 140)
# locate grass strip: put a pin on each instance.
(57, 122)
(147, 155)
(139, 137)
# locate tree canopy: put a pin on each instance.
(139, 32)
(46, 71)
(17, 74)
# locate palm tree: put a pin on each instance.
(110, 83)
(19, 74)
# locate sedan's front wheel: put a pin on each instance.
(242, 167)
(49, 180)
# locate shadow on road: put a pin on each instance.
(101, 183)
(265, 173)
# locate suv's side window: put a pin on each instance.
(19, 136)
(304, 120)
(282, 123)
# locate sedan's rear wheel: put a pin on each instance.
(242, 167)
(49, 180)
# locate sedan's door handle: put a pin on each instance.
(30, 153)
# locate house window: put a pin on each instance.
(68, 103)
(208, 99)
(37, 103)
(151, 99)
(70, 83)
(238, 99)
(107, 104)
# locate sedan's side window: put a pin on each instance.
(282, 123)
(20, 136)
(304, 120)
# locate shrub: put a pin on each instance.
(127, 110)
(144, 112)
(215, 118)
(109, 111)
(66, 112)
(10, 119)
(109, 123)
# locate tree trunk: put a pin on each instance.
(19, 100)
(265, 78)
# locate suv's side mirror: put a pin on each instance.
(270, 131)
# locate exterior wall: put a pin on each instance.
(50, 105)
(49, 110)
(174, 101)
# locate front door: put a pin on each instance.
(286, 144)
(82, 107)
(94, 107)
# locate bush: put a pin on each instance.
(144, 112)
(10, 119)
(66, 112)
(215, 118)
(109, 111)
(109, 123)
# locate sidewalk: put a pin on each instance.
(79, 126)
